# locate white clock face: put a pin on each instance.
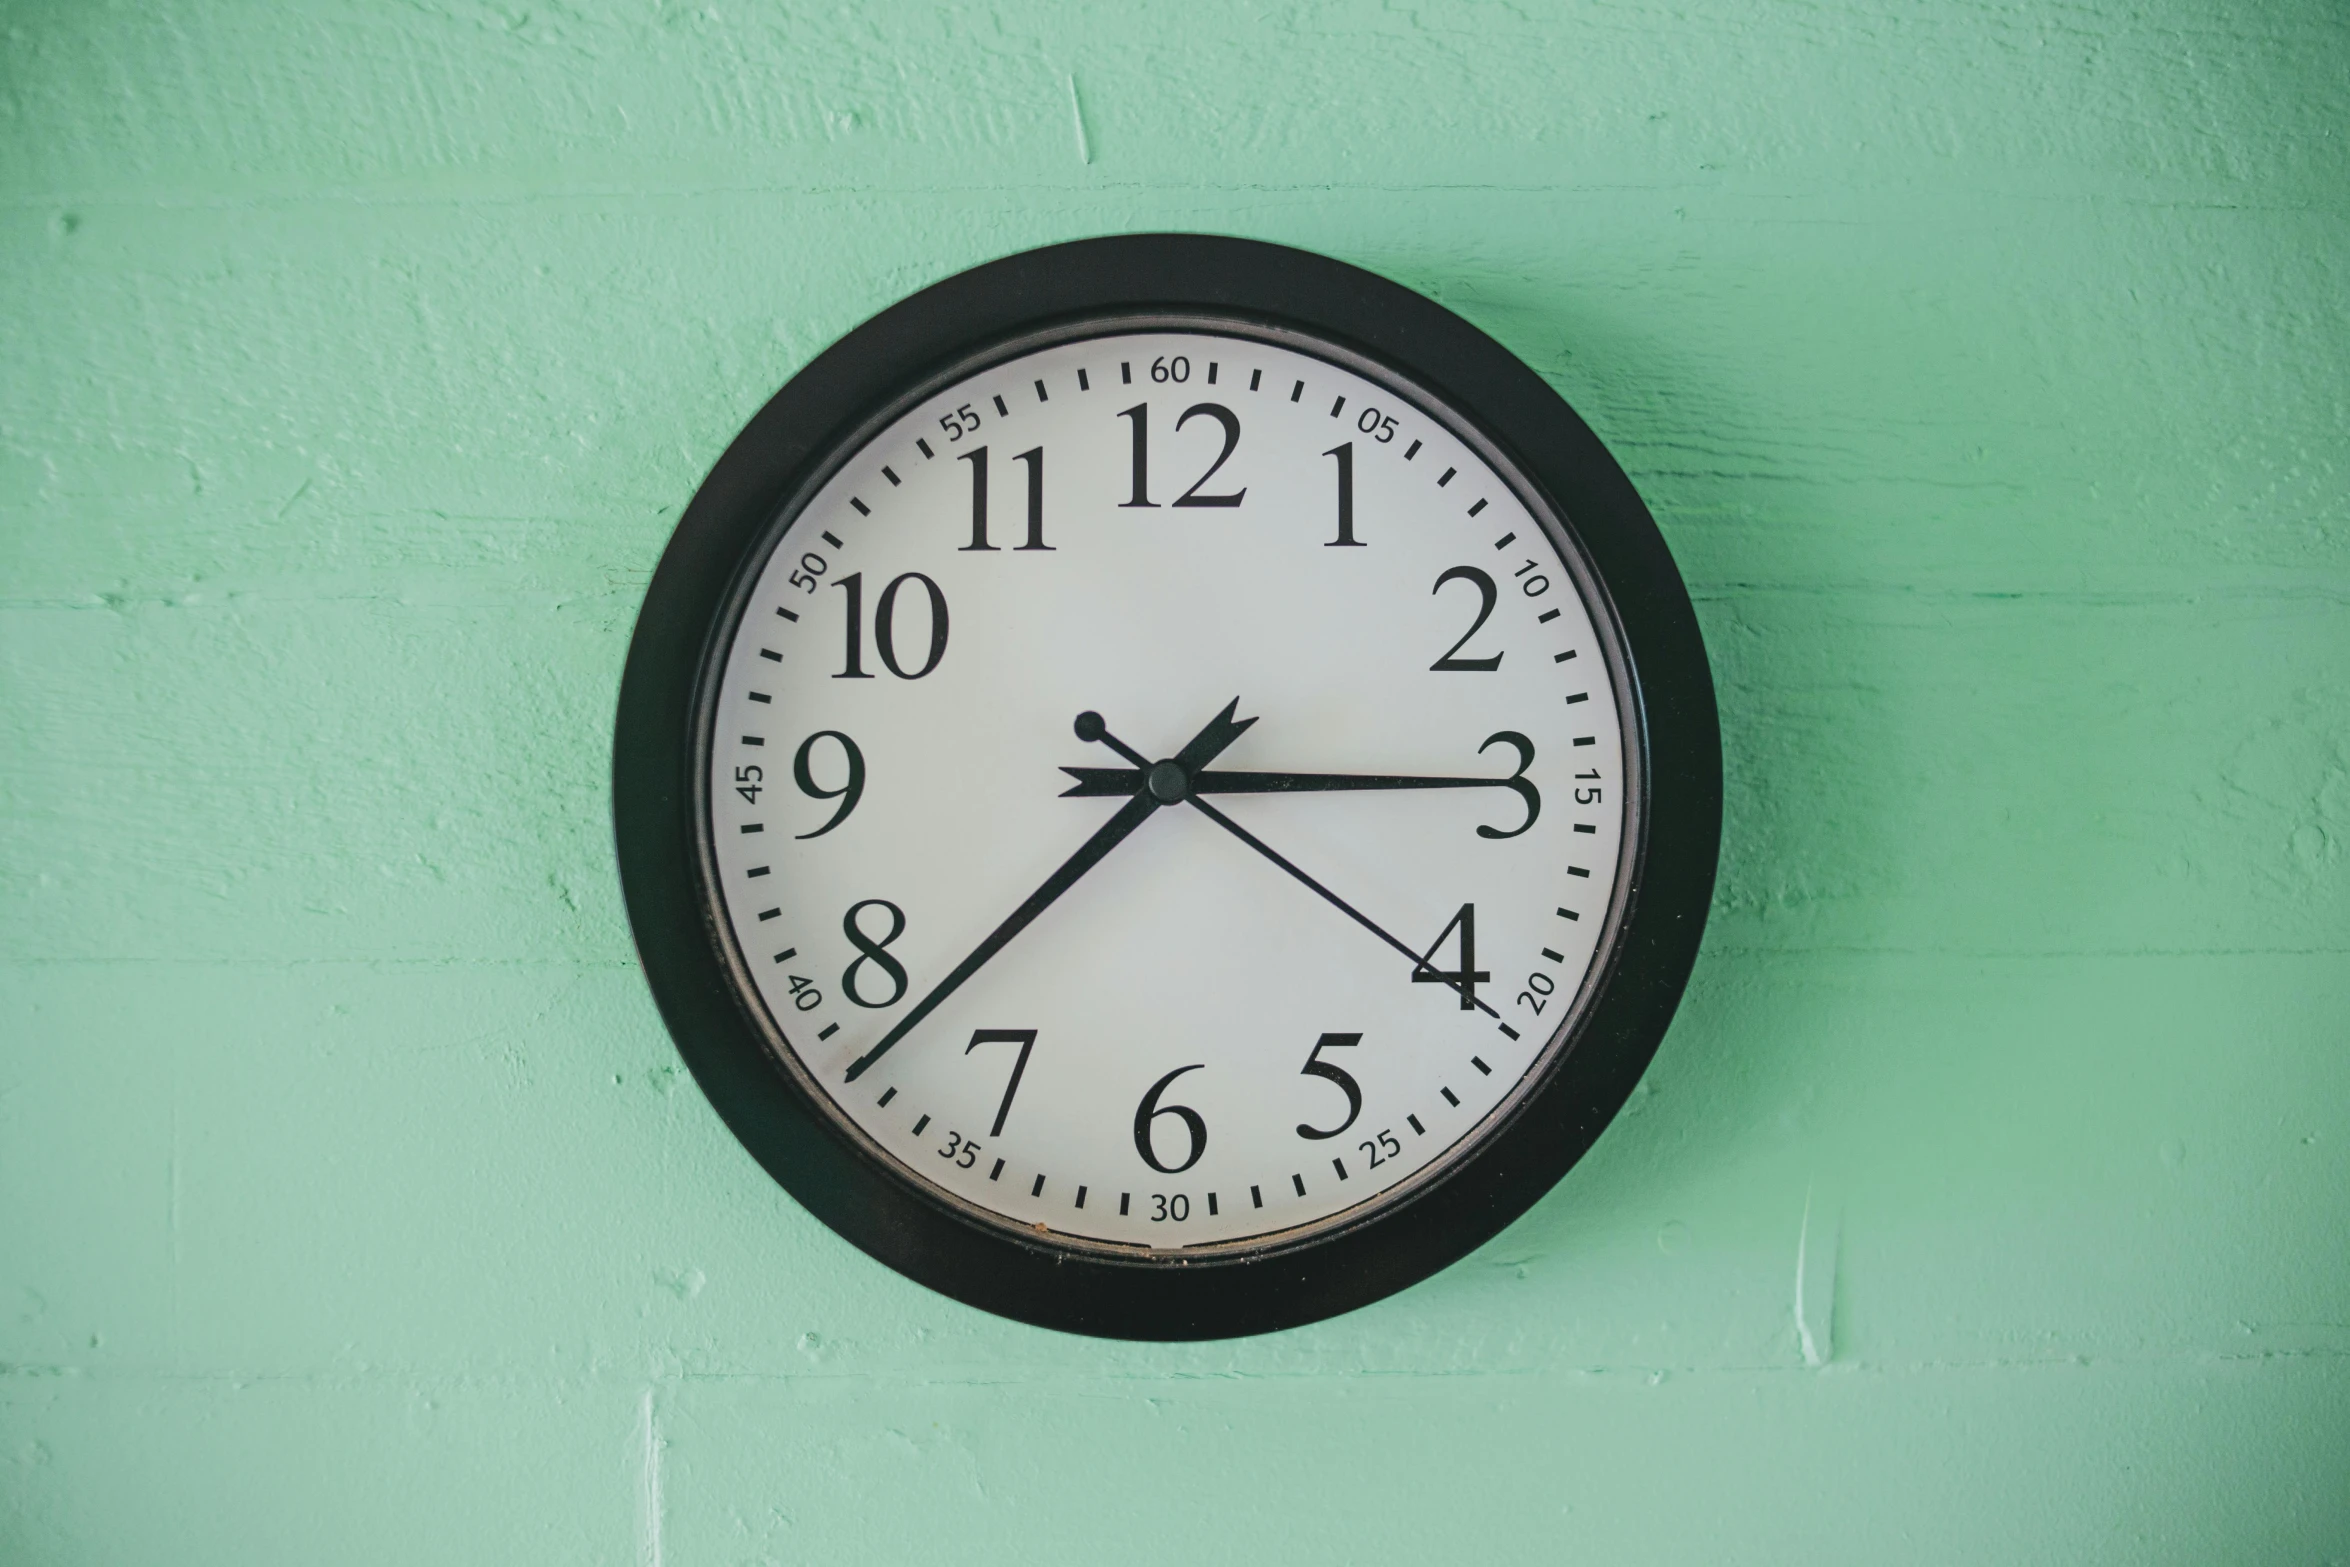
(1343, 841)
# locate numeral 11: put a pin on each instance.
(1034, 459)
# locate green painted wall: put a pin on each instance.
(1988, 367)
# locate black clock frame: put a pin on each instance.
(1098, 1290)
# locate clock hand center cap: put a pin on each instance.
(1167, 782)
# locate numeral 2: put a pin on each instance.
(1487, 594)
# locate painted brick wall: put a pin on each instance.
(1988, 367)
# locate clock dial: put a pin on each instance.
(1166, 786)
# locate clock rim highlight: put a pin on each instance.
(959, 328)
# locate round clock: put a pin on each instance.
(1167, 787)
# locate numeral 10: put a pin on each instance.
(852, 587)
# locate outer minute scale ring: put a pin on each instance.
(720, 1029)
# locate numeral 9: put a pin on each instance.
(850, 791)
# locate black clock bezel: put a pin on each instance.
(796, 436)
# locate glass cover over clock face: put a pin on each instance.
(1167, 787)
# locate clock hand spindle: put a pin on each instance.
(1220, 732)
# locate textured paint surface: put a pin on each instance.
(1988, 368)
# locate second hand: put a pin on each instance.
(1153, 775)
(1419, 962)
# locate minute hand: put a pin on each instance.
(1128, 780)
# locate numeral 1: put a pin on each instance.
(977, 458)
(1140, 413)
(1034, 458)
(854, 586)
(1345, 454)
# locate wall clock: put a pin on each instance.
(1167, 787)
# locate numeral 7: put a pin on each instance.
(1025, 1038)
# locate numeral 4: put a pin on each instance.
(1468, 976)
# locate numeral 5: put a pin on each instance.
(1330, 1071)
